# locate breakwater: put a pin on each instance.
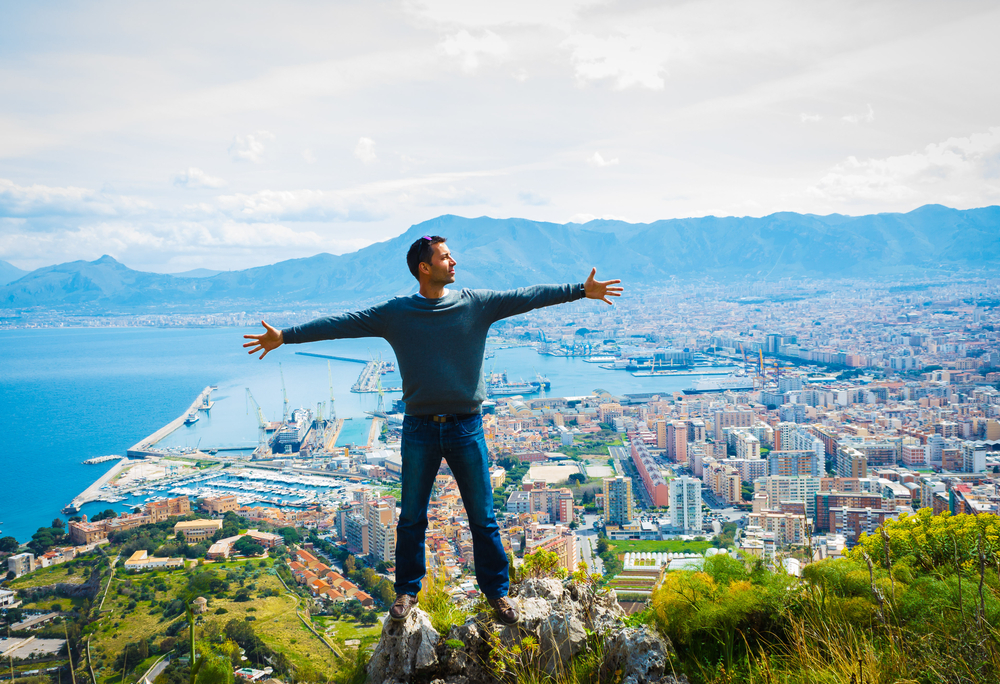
(142, 448)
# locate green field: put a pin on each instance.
(274, 618)
(54, 574)
(669, 546)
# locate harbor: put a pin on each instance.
(370, 379)
(296, 462)
(143, 447)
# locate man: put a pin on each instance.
(439, 337)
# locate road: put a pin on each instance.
(155, 671)
(586, 539)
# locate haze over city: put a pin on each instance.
(180, 136)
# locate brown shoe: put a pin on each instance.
(505, 610)
(402, 607)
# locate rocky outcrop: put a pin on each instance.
(88, 589)
(559, 621)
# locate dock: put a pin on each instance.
(92, 493)
(142, 448)
(368, 381)
(335, 358)
(374, 432)
(332, 442)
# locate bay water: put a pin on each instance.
(69, 394)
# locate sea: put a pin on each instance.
(70, 394)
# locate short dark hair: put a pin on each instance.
(420, 251)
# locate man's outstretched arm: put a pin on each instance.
(513, 302)
(367, 323)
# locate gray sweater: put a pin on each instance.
(439, 343)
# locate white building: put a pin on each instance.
(21, 564)
(685, 504)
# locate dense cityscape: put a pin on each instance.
(814, 414)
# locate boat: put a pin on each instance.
(600, 359)
(694, 371)
(191, 418)
(729, 382)
(500, 386)
(542, 382)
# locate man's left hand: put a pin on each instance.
(601, 289)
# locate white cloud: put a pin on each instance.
(250, 147)
(867, 117)
(297, 205)
(196, 178)
(211, 243)
(308, 156)
(556, 13)
(533, 199)
(364, 203)
(597, 160)
(365, 150)
(960, 172)
(808, 118)
(636, 57)
(38, 201)
(469, 50)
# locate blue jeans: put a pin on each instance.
(462, 445)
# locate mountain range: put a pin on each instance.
(504, 253)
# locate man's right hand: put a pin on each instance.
(268, 341)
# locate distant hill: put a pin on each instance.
(197, 273)
(9, 273)
(503, 253)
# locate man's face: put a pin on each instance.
(442, 265)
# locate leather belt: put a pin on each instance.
(449, 417)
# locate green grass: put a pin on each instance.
(275, 618)
(48, 602)
(340, 630)
(50, 575)
(669, 546)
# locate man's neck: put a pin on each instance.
(432, 290)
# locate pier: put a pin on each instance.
(368, 381)
(374, 432)
(92, 493)
(330, 443)
(335, 358)
(142, 448)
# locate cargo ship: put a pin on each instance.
(498, 385)
(730, 382)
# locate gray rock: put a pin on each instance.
(406, 650)
(559, 616)
(643, 656)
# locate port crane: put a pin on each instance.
(333, 410)
(284, 394)
(261, 421)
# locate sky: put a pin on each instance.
(227, 135)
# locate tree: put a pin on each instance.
(58, 523)
(246, 546)
(290, 535)
(216, 670)
(8, 545)
(578, 478)
(350, 564)
(179, 536)
(384, 592)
